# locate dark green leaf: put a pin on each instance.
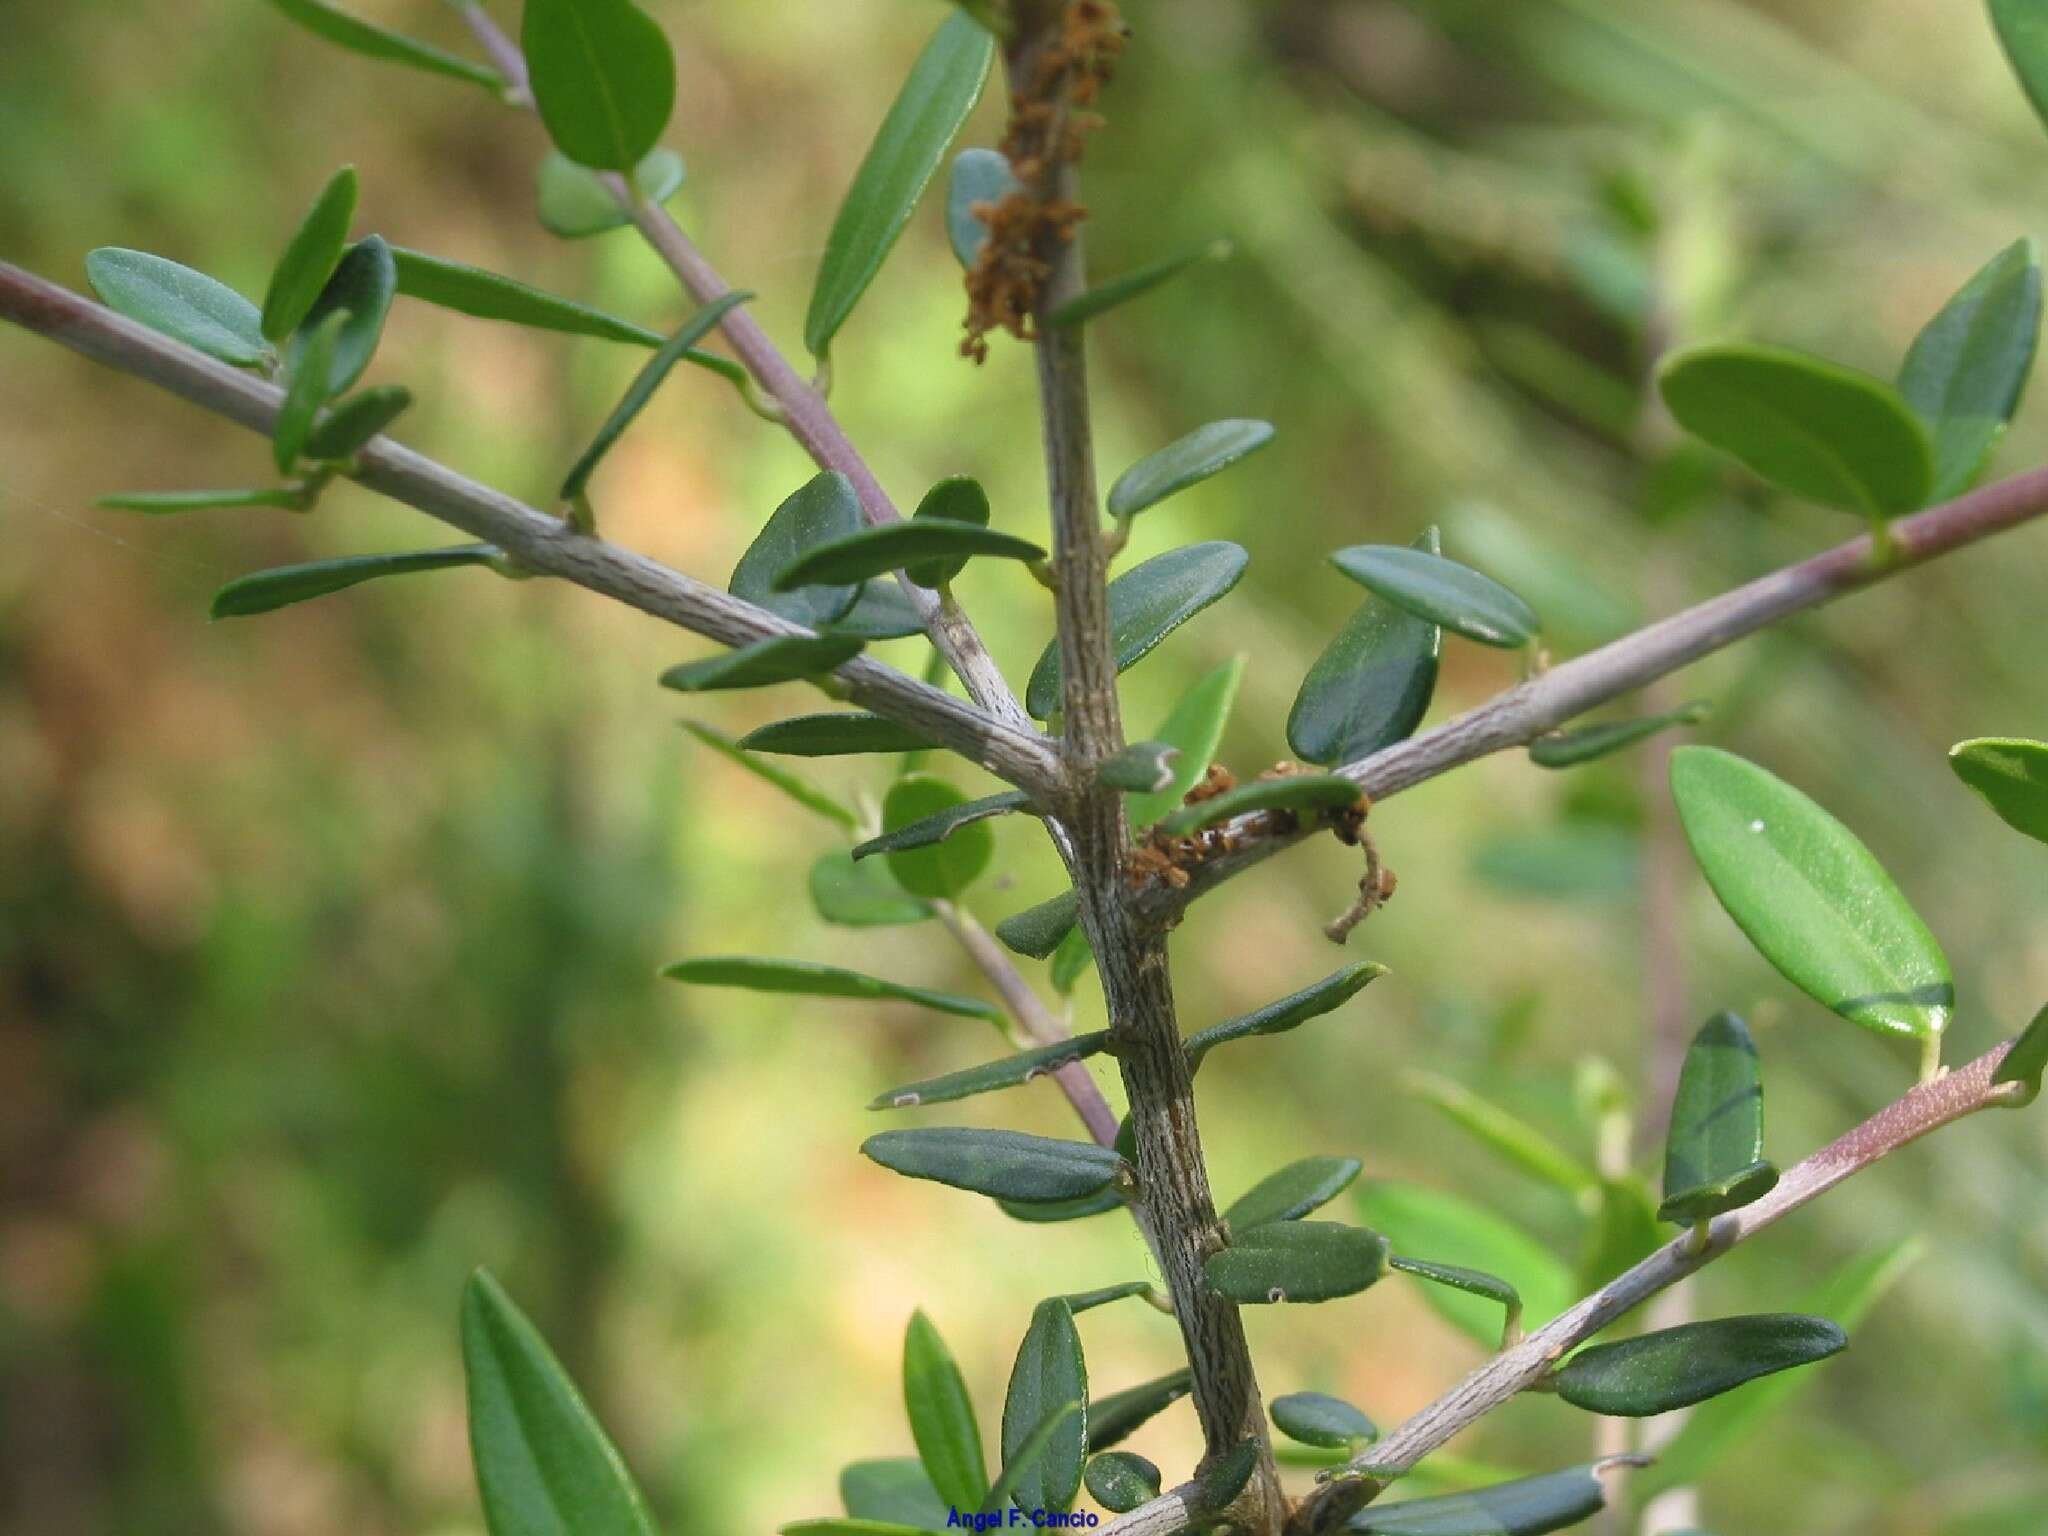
(310, 256)
(1821, 431)
(487, 296)
(1121, 1480)
(942, 1418)
(1146, 767)
(943, 87)
(1112, 1418)
(346, 427)
(893, 1490)
(989, 1076)
(947, 866)
(1968, 366)
(1083, 1301)
(1568, 749)
(603, 78)
(1504, 1133)
(184, 305)
(805, 795)
(1292, 1192)
(543, 1463)
(1006, 1164)
(2012, 776)
(644, 384)
(1021, 1470)
(305, 392)
(1714, 1155)
(956, 499)
(1473, 1282)
(882, 612)
(1290, 1012)
(1194, 726)
(1316, 1418)
(2023, 30)
(1811, 897)
(979, 176)
(1073, 958)
(574, 202)
(1121, 290)
(1677, 1367)
(942, 824)
(1048, 1374)
(1419, 1220)
(826, 507)
(862, 895)
(839, 733)
(1441, 591)
(2027, 1058)
(1297, 1261)
(783, 659)
(1037, 931)
(896, 546)
(1372, 685)
(1286, 794)
(361, 288)
(197, 501)
(1206, 451)
(1146, 604)
(287, 584)
(359, 36)
(811, 979)
(1224, 1478)
(1529, 1506)
(1043, 1212)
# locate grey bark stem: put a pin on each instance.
(534, 539)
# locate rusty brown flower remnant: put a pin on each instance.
(1050, 120)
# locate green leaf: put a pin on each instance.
(310, 256)
(644, 384)
(862, 895)
(1821, 431)
(305, 392)
(889, 547)
(838, 733)
(1289, 1012)
(1624, 1231)
(156, 502)
(2027, 1058)
(1121, 1480)
(485, 295)
(1441, 591)
(1810, 896)
(892, 1490)
(361, 288)
(1714, 1155)
(1195, 726)
(1284, 795)
(1042, 1212)
(942, 1418)
(359, 36)
(804, 794)
(1206, 451)
(1022, 1469)
(1144, 767)
(1146, 604)
(1119, 1415)
(1049, 1373)
(180, 303)
(574, 203)
(811, 979)
(346, 427)
(992, 1075)
(1121, 290)
(1677, 1367)
(956, 499)
(826, 507)
(1529, 1506)
(1568, 749)
(1967, 368)
(1219, 1483)
(1007, 1164)
(287, 584)
(978, 176)
(1316, 1418)
(1038, 931)
(1070, 960)
(1473, 1282)
(943, 87)
(1290, 1193)
(782, 659)
(1419, 1220)
(881, 612)
(1372, 684)
(603, 78)
(1297, 1261)
(2023, 31)
(947, 866)
(543, 1463)
(942, 824)
(1504, 1133)
(1083, 1301)
(2012, 776)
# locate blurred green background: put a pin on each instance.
(328, 941)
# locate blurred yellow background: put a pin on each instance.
(328, 940)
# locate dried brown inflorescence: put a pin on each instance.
(1171, 861)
